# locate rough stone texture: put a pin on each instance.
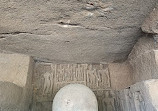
(72, 31)
(139, 97)
(49, 78)
(16, 76)
(75, 97)
(150, 24)
(14, 68)
(152, 85)
(10, 97)
(143, 59)
(121, 75)
(28, 89)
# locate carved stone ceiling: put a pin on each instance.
(76, 31)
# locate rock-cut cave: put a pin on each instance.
(78, 55)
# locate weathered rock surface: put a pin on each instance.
(144, 59)
(10, 96)
(74, 30)
(15, 82)
(150, 24)
(14, 68)
(121, 75)
(49, 78)
(139, 97)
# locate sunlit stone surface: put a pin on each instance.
(75, 97)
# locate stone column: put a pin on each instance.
(15, 82)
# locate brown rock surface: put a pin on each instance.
(143, 59)
(10, 95)
(72, 31)
(15, 82)
(121, 75)
(14, 68)
(150, 24)
(141, 96)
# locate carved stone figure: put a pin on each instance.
(104, 78)
(48, 83)
(108, 104)
(139, 103)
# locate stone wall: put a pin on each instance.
(144, 56)
(121, 75)
(15, 82)
(128, 86)
(10, 96)
(141, 96)
(142, 64)
(103, 79)
(14, 68)
(50, 78)
(28, 89)
(144, 59)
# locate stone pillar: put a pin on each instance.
(15, 82)
(144, 59)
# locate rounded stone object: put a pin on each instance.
(75, 97)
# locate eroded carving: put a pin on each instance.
(129, 100)
(48, 83)
(139, 102)
(98, 78)
(50, 78)
(105, 99)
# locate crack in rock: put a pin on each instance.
(14, 33)
(2, 37)
(71, 25)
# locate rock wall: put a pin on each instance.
(28, 89)
(144, 59)
(14, 68)
(10, 96)
(121, 75)
(141, 96)
(144, 56)
(49, 78)
(150, 24)
(74, 31)
(20, 91)
(15, 82)
(103, 79)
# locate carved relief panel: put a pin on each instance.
(97, 78)
(43, 81)
(105, 100)
(130, 100)
(50, 78)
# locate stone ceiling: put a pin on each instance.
(78, 31)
